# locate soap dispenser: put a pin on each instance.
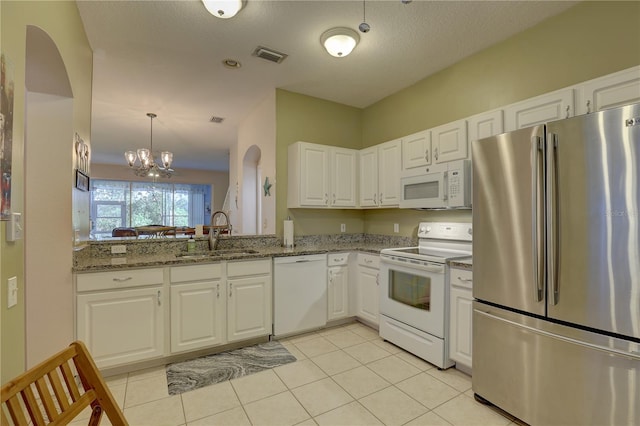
(191, 245)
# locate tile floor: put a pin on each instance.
(344, 375)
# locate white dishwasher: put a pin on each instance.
(300, 293)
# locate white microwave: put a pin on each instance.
(441, 186)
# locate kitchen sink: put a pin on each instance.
(234, 251)
(216, 253)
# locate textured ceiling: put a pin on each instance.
(166, 57)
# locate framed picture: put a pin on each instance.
(82, 181)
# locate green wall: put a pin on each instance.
(588, 40)
(308, 119)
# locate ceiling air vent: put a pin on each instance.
(269, 54)
(217, 120)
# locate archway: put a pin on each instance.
(251, 199)
(48, 198)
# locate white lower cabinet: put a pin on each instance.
(337, 286)
(120, 315)
(367, 299)
(460, 317)
(248, 299)
(198, 308)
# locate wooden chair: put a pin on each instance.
(49, 394)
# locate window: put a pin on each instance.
(130, 204)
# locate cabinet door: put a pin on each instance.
(486, 124)
(416, 150)
(197, 315)
(449, 142)
(389, 164)
(122, 326)
(343, 177)
(614, 90)
(367, 294)
(338, 292)
(248, 307)
(314, 175)
(539, 110)
(369, 177)
(461, 318)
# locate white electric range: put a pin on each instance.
(414, 290)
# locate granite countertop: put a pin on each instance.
(462, 263)
(118, 262)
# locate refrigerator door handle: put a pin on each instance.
(538, 215)
(553, 219)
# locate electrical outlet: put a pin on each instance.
(119, 249)
(12, 292)
(396, 227)
(343, 227)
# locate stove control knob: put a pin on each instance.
(422, 230)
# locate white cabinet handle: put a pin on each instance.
(326, 199)
(426, 155)
(380, 199)
(121, 280)
(466, 280)
(378, 279)
(369, 261)
(436, 153)
(218, 291)
(375, 201)
(230, 289)
(159, 298)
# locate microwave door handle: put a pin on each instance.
(537, 183)
(445, 186)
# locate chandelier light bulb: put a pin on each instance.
(167, 158)
(130, 157)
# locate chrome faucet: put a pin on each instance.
(214, 230)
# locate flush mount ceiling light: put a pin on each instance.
(224, 9)
(340, 41)
(147, 166)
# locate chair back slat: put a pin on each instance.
(45, 397)
(15, 411)
(70, 381)
(58, 390)
(32, 407)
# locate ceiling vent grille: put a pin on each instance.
(217, 120)
(269, 54)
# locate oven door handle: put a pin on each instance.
(429, 267)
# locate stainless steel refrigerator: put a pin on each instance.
(556, 270)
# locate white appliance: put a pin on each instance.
(441, 186)
(299, 293)
(414, 295)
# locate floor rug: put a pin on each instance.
(207, 370)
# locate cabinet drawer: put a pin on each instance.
(337, 259)
(461, 278)
(248, 267)
(119, 279)
(369, 260)
(209, 271)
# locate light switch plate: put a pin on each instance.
(12, 292)
(396, 227)
(14, 227)
(343, 227)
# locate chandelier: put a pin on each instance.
(147, 167)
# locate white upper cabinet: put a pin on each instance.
(486, 124)
(617, 89)
(416, 150)
(321, 176)
(539, 110)
(380, 174)
(449, 142)
(344, 163)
